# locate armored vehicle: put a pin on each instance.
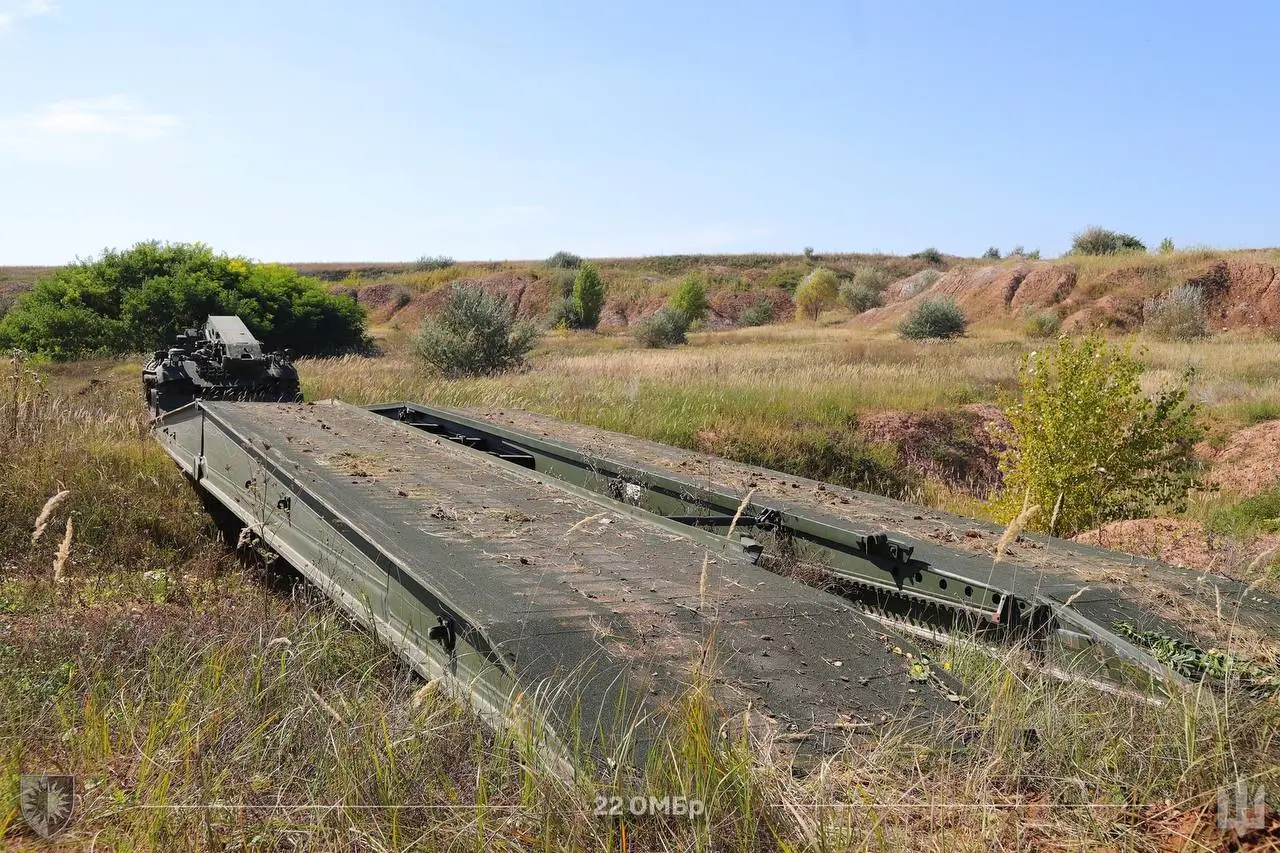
(222, 361)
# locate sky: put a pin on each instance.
(384, 131)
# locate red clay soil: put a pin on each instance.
(1181, 542)
(957, 447)
(1239, 293)
(1250, 462)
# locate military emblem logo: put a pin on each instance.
(47, 802)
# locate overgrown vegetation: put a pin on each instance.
(690, 299)
(858, 297)
(1086, 446)
(1101, 241)
(1178, 315)
(474, 334)
(934, 318)
(665, 328)
(428, 263)
(1042, 324)
(756, 315)
(138, 299)
(817, 292)
(1249, 517)
(588, 296)
(564, 261)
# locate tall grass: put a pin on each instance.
(200, 709)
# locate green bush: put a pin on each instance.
(137, 300)
(1101, 241)
(1166, 246)
(934, 318)
(666, 328)
(588, 296)
(1249, 517)
(872, 278)
(858, 297)
(756, 315)
(1086, 446)
(564, 261)
(818, 292)
(787, 277)
(929, 256)
(474, 334)
(431, 264)
(992, 254)
(1178, 315)
(1044, 324)
(691, 299)
(563, 314)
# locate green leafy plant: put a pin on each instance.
(756, 315)
(474, 334)
(691, 299)
(991, 254)
(138, 299)
(818, 292)
(858, 297)
(1178, 315)
(872, 278)
(1087, 446)
(666, 328)
(563, 314)
(786, 277)
(588, 296)
(564, 260)
(428, 263)
(1166, 246)
(1191, 661)
(1042, 324)
(934, 318)
(929, 256)
(1249, 517)
(1101, 241)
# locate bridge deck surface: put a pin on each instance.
(575, 593)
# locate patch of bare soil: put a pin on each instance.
(1181, 542)
(958, 448)
(1249, 463)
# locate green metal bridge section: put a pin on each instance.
(583, 614)
(575, 581)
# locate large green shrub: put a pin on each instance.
(474, 334)
(1087, 446)
(139, 299)
(564, 261)
(1102, 241)
(872, 278)
(756, 315)
(588, 296)
(690, 299)
(664, 329)
(934, 318)
(1178, 315)
(858, 297)
(818, 292)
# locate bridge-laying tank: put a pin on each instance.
(221, 361)
(572, 577)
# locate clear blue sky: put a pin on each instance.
(387, 130)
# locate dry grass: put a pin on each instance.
(200, 709)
